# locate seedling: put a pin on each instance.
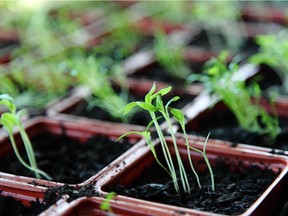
(170, 57)
(154, 105)
(218, 78)
(35, 79)
(126, 39)
(219, 17)
(274, 52)
(12, 119)
(105, 205)
(96, 74)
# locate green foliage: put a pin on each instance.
(154, 105)
(219, 79)
(34, 77)
(126, 40)
(11, 119)
(170, 11)
(219, 19)
(274, 52)
(170, 56)
(96, 74)
(105, 205)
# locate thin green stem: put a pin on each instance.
(166, 151)
(189, 155)
(183, 175)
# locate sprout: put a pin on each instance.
(9, 120)
(218, 79)
(153, 104)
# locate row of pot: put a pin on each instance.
(63, 122)
(133, 164)
(127, 167)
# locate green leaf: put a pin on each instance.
(128, 133)
(213, 71)
(9, 105)
(172, 100)
(6, 97)
(20, 113)
(164, 91)
(105, 205)
(128, 108)
(159, 102)
(8, 121)
(147, 106)
(150, 93)
(193, 78)
(178, 115)
(223, 55)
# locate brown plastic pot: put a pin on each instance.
(142, 159)
(265, 13)
(91, 206)
(26, 200)
(76, 130)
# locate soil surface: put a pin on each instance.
(13, 207)
(245, 49)
(67, 160)
(235, 190)
(224, 126)
(156, 72)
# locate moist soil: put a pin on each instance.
(237, 188)
(13, 207)
(67, 160)
(224, 126)
(246, 49)
(156, 72)
(267, 79)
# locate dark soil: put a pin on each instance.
(236, 188)
(156, 72)
(267, 78)
(224, 126)
(11, 206)
(67, 160)
(115, 50)
(246, 49)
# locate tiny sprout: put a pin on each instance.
(219, 79)
(106, 204)
(9, 120)
(154, 105)
(274, 52)
(170, 56)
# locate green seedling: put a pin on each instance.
(219, 19)
(96, 74)
(274, 52)
(170, 56)
(35, 79)
(106, 204)
(218, 78)
(126, 39)
(11, 119)
(153, 104)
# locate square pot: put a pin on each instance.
(78, 133)
(91, 206)
(132, 169)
